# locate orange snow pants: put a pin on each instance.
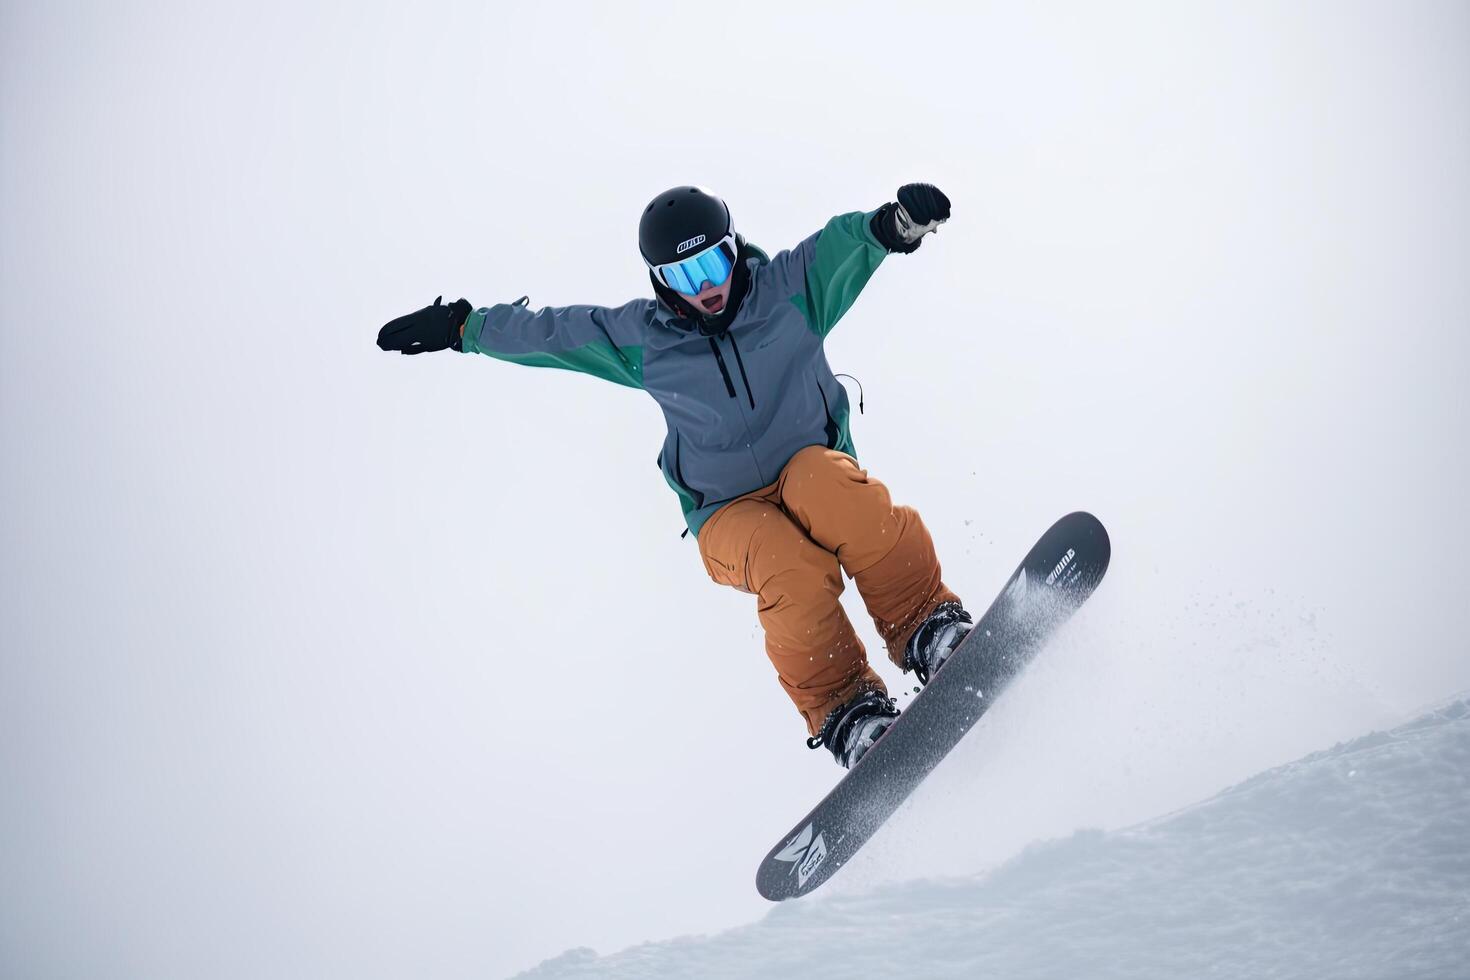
(789, 543)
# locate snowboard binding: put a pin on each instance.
(935, 639)
(851, 729)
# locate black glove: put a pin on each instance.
(925, 203)
(900, 227)
(432, 328)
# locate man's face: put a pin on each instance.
(711, 299)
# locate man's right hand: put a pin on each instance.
(432, 328)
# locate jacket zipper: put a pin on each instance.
(736, 348)
(724, 372)
(679, 472)
(730, 389)
(833, 433)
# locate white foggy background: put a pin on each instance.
(318, 661)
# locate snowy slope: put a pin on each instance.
(1352, 862)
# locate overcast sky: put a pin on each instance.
(317, 661)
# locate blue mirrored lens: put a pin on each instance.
(675, 276)
(712, 266)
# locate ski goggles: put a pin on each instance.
(713, 265)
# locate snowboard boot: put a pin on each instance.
(851, 730)
(935, 639)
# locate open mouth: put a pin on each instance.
(713, 304)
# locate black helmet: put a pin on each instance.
(680, 221)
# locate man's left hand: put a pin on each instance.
(921, 209)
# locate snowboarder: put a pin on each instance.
(758, 447)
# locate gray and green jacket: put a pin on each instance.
(738, 405)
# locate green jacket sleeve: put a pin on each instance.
(606, 342)
(826, 272)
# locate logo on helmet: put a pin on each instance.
(686, 246)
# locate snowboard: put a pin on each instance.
(1052, 582)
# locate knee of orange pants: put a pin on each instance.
(810, 641)
(843, 509)
(754, 546)
(885, 548)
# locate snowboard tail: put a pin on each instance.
(1056, 577)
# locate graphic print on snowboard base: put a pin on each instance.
(1053, 581)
